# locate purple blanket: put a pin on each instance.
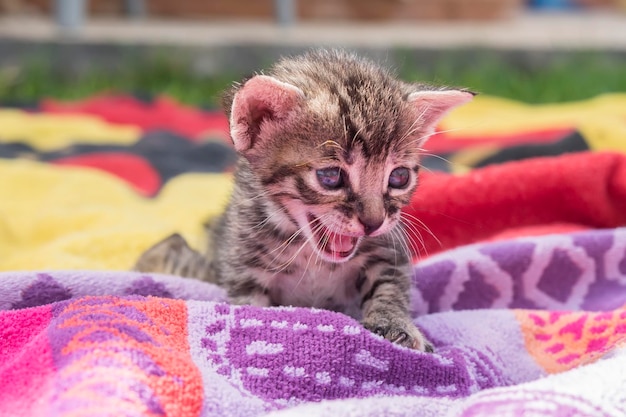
(524, 327)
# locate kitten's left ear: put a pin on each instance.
(432, 105)
(262, 100)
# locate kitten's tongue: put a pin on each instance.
(338, 247)
(340, 243)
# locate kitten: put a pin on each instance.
(330, 151)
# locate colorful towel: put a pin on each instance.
(522, 291)
(515, 343)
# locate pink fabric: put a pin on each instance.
(26, 362)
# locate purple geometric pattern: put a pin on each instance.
(576, 271)
(291, 361)
(560, 276)
(478, 290)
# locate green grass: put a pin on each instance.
(37, 79)
(567, 77)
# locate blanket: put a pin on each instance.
(519, 276)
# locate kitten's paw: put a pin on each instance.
(400, 331)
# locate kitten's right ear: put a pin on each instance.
(260, 100)
(432, 105)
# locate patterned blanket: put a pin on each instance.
(520, 276)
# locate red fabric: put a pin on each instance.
(161, 114)
(535, 196)
(135, 170)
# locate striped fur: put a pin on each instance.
(285, 238)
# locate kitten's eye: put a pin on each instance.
(399, 177)
(330, 178)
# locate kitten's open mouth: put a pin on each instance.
(336, 247)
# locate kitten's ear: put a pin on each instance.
(260, 100)
(432, 105)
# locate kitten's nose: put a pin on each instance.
(371, 225)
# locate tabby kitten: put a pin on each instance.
(330, 150)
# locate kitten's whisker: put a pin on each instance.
(402, 238)
(421, 138)
(413, 242)
(285, 265)
(433, 155)
(267, 220)
(248, 200)
(331, 143)
(320, 226)
(282, 248)
(304, 271)
(413, 222)
(356, 134)
(420, 223)
(290, 240)
(394, 237)
(425, 168)
(414, 126)
(286, 243)
(306, 268)
(282, 266)
(407, 244)
(447, 161)
(295, 255)
(413, 206)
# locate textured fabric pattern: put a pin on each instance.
(510, 340)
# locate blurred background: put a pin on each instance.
(534, 51)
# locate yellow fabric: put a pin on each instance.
(49, 132)
(78, 218)
(602, 119)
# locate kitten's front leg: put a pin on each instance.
(245, 290)
(385, 306)
(256, 299)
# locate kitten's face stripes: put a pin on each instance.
(339, 197)
(345, 161)
(336, 141)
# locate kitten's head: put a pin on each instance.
(335, 141)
